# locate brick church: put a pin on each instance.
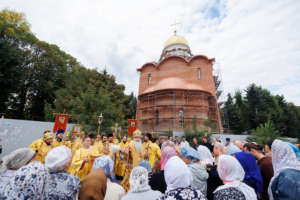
(175, 90)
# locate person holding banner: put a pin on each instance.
(59, 140)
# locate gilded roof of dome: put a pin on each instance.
(175, 39)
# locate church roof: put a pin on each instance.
(176, 39)
(173, 84)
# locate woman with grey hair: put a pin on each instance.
(139, 187)
(12, 162)
(61, 184)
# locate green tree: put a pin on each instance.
(264, 132)
(258, 106)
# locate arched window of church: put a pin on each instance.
(156, 117)
(181, 117)
(199, 74)
(149, 79)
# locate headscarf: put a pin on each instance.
(17, 159)
(295, 149)
(167, 153)
(57, 158)
(189, 153)
(29, 183)
(105, 163)
(283, 157)
(93, 186)
(177, 174)
(232, 173)
(167, 143)
(139, 180)
(146, 165)
(205, 155)
(232, 149)
(252, 172)
(229, 169)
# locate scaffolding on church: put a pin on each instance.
(169, 110)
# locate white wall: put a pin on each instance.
(21, 133)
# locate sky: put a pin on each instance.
(253, 41)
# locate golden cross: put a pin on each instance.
(176, 23)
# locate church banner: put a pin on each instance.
(132, 126)
(61, 122)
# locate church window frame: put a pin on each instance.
(149, 78)
(181, 117)
(156, 116)
(199, 73)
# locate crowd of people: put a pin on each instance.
(149, 168)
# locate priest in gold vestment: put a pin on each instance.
(82, 161)
(133, 155)
(42, 146)
(119, 163)
(152, 151)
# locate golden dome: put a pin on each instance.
(175, 39)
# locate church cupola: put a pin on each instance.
(176, 46)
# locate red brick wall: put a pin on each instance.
(200, 105)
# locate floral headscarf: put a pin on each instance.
(29, 183)
(139, 180)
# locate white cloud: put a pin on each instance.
(254, 41)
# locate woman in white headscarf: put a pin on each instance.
(232, 174)
(179, 178)
(29, 182)
(139, 187)
(11, 163)
(285, 182)
(205, 155)
(61, 184)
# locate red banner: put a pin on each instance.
(132, 126)
(61, 122)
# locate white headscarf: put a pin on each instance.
(29, 183)
(229, 169)
(232, 149)
(57, 158)
(283, 157)
(17, 159)
(206, 157)
(139, 180)
(177, 174)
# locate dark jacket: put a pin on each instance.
(213, 181)
(157, 182)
